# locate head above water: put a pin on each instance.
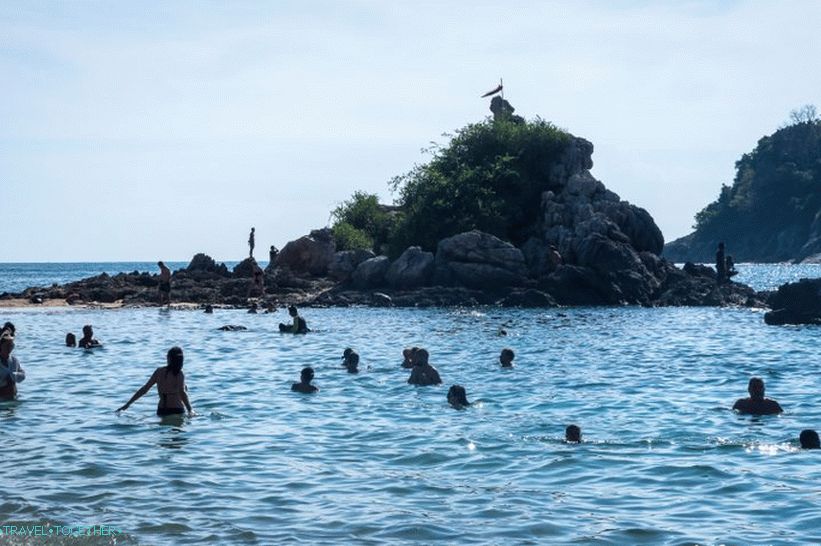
(175, 359)
(809, 439)
(292, 310)
(8, 327)
(457, 396)
(88, 331)
(573, 433)
(307, 375)
(346, 353)
(506, 357)
(420, 357)
(71, 340)
(756, 388)
(6, 342)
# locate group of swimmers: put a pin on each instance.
(173, 392)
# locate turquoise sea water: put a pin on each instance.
(372, 460)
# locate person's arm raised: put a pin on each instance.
(141, 391)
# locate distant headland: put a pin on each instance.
(772, 212)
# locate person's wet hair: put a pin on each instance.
(347, 352)
(87, 330)
(292, 310)
(809, 439)
(175, 360)
(71, 340)
(421, 356)
(9, 327)
(506, 357)
(573, 434)
(457, 396)
(307, 374)
(756, 386)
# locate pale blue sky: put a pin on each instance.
(154, 130)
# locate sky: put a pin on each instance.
(155, 130)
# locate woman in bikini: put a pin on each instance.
(170, 385)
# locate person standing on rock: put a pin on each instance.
(165, 284)
(251, 244)
(721, 264)
(272, 255)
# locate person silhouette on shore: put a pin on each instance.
(251, 243)
(721, 264)
(423, 374)
(573, 434)
(165, 284)
(756, 404)
(304, 386)
(88, 341)
(729, 270)
(809, 439)
(171, 387)
(272, 255)
(10, 371)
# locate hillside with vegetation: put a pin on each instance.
(772, 212)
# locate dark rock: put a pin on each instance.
(36, 299)
(479, 260)
(575, 285)
(371, 273)
(311, 254)
(206, 264)
(412, 269)
(345, 263)
(245, 269)
(796, 303)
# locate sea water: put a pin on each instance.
(371, 460)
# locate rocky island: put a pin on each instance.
(508, 213)
(772, 212)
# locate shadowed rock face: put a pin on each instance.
(796, 303)
(311, 254)
(479, 260)
(412, 269)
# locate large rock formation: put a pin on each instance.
(772, 212)
(412, 269)
(311, 254)
(796, 303)
(479, 260)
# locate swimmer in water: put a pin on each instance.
(506, 358)
(407, 356)
(171, 387)
(304, 386)
(88, 341)
(809, 439)
(352, 362)
(298, 327)
(71, 340)
(10, 371)
(209, 309)
(573, 434)
(458, 397)
(423, 374)
(756, 404)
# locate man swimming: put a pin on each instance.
(756, 404)
(506, 358)
(423, 374)
(573, 434)
(304, 386)
(88, 341)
